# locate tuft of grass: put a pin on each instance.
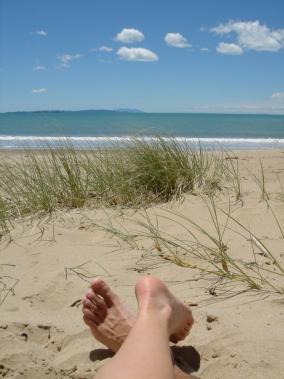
(167, 168)
(4, 218)
(42, 183)
(162, 168)
(136, 173)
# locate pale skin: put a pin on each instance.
(141, 344)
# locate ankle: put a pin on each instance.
(156, 311)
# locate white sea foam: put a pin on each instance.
(129, 138)
(17, 142)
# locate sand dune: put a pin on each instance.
(50, 262)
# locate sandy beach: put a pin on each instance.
(46, 265)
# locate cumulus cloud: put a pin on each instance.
(176, 40)
(105, 48)
(136, 54)
(42, 33)
(129, 36)
(39, 67)
(39, 90)
(252, 35)
(229, 48)
(66, 59)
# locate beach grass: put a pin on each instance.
(139, 173)
(233, 172)
(205, 249)
(260, 180)
(4, 218)
(136, 173)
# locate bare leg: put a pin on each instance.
(109, 319)
(146, 352)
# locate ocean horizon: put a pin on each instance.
(99, 128)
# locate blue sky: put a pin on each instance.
(158, 56)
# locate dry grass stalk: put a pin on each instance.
(203, 250)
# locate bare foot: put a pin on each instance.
(108, 318)
(153, 295)
(110, 321)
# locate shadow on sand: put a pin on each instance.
(186, 358)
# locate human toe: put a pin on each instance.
(100, 287)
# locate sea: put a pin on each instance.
(103, 129)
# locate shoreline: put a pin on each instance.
(118, 145)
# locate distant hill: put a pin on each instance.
(128, 110)
(120, 110)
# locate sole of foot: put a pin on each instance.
(108, 318)
(152, 294)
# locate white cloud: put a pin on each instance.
(66, 59)
(41, 33)
(176, 40)
(129, 36)
(252, 35)
(105, 48)
(272, 105)
(229, 48)
(204, 49)
(39, 67)
(136, 54)
(39, 90)
(278, 95)
(101, 48)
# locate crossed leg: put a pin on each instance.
(110, 322)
